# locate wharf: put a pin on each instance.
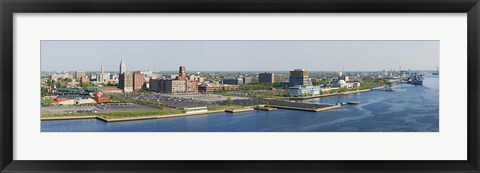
(266, 108)
(313, 109)
(130, 118)
(239, 110)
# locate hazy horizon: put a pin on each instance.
(218, 55)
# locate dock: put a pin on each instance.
(266, 108)
(280, 104)
(313, 109)
(239, 110)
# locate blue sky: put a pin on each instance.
(240, 55)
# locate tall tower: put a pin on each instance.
(182, 73)
(101, 70)
(123, 67)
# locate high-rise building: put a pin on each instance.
(101, 70)
(191, 86)
(157, 85)
(123, 67)
(266, 77)
(299, 77)
(126, 82)
(175, 86)
(138, 80)
(182, 73)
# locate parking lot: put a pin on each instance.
(182, 100)
(105, 108)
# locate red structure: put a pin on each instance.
(182, 73)
(99, 97)
(138, 80)
(56, 100)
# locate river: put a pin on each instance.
(409, 109)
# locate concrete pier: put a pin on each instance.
(239, 110)
(313, 109)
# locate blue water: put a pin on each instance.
(409, 109)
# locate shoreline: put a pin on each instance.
(329, 95)
(130, 118)
(247, 109)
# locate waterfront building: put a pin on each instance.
(209, 88)
(126, 82)
(123, 67)
(100, 97)
(191, 86)
(156, 85)
(138, 80)
(79, 75)
(175, 86)
(299, 77)
(233, 81)
(344, 84)
(247, 80)
(266, 77)
(300, 90)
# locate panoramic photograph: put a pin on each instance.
(239, 85)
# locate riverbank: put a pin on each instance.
(100, 117)
(333, 94)
(131, 116)
(309, 109)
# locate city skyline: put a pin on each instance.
(239, 55)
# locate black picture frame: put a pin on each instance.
(9, 7)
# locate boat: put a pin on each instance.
(389, 89)
(353, 102)
(415, 79)
(435, 73)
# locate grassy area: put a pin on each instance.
(114, 115)
(47, 101)
(216, 108)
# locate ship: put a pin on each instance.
(415, 79)
(435, 73)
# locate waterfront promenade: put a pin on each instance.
(248, 106)
(333, 94)
(130, 118)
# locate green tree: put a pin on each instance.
(229, 101)
(86, 84)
